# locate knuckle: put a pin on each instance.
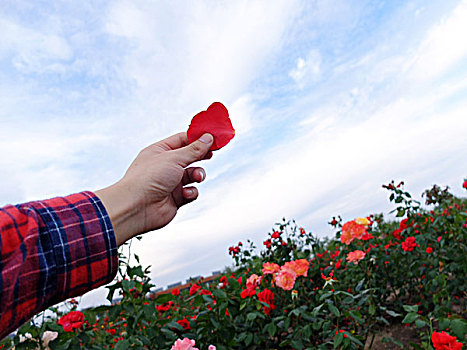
(197, 149)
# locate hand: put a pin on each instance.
(154, 186)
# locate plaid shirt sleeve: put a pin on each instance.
(51, 250)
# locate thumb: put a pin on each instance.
(195, 151)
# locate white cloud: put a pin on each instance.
(307, 69)
(443, 48)
(33, 51)
(186, 56)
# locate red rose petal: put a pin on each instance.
(215, 121)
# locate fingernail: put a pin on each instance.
(206, 138)
(202, 175)
(189, 192)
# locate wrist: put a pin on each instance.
(122, 208)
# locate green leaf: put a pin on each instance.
(219, 294)
(410, 308)
(317, 325)
(444, 323)
(372, 309)
(214, 322)
(359, 285)
(295, 312)
(307, 332)
(420, 323)
(175, 325)
(163, 298)
(317, 309)
(353, 339)
(459, 328)
(54, 344)
(392, 313)
(400, 213)
(149, 310)
(383, 320)
(122, 345)
(357, 316)
(271, 329)
(410, 317)
(325, 296)
(241, 336)
(248, 339)
(297, 344)
(338, 338)
(127, 285)
(334, 310)
(251, 316)
(135, 271)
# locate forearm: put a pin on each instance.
(123, 209)
(52, 250)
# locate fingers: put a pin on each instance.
(173, 142)
(208, 155)
(189, 194)
(195, 151)
(185, 195)
(193, 174)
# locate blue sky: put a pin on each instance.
(330, 99)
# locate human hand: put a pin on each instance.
(155, 185)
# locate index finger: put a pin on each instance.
(173, 142)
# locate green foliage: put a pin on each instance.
(338, 304)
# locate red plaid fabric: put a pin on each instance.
(52, 250)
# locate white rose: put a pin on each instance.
(47, 337)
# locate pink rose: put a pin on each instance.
(355, 256)
(254, 280)
(185, 344)
(300, 267)
(286, 278)
(270, 268)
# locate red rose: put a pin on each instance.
(465, 184)
(215, 121)
(194, 288)
(409, 244)
(266, 296)
(276, 234)
(249, 291)
(429, 250)
(444, 341)
(184, 323)
(339, 264)
(175, 292)
(267, 243)
(164, 307)
(72, 320)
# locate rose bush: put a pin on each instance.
(298, 292)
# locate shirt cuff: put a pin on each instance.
(83, 243)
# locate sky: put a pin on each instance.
(330, 99)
